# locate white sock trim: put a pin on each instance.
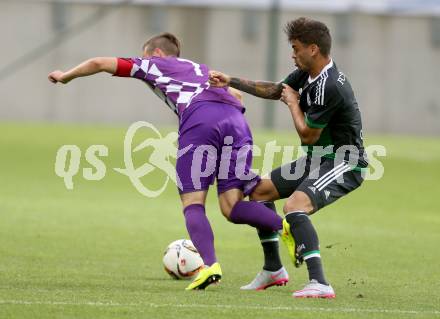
(298, 212)
(268, 240)
(314, 255)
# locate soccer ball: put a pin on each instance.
(182, 260)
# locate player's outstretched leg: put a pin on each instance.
(273, 272)
(255, 214)
(307, 248)
(201, 235)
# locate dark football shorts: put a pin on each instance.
(323, 179)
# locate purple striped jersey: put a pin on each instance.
(180, 83)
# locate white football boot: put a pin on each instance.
(315, 290)
(266, 279)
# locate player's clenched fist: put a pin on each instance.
(289, 95)
(219, 79)
(56, 76)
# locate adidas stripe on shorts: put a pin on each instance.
(323, 179)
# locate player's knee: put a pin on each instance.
(228, 200)
(299, 201)
(189, 202)
(264, 191)
(193, 199)
(226, 212)
(226, 207)
(292, 206)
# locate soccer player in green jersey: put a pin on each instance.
(327, 119)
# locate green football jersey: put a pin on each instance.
(328, 102)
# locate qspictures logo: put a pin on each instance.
(205, 160)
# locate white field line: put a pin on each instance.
(232, 307)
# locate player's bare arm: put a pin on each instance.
(86, 68)
(263, 89)
(307, 134)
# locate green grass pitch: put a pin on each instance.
(95, 251)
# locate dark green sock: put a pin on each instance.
(307, 244)
(269, 242)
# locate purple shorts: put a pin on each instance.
(215, 142)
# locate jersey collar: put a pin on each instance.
(328, 66)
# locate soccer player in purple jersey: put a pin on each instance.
(209, 117)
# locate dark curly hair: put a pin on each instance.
(309, 31)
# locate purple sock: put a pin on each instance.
(257, 215)
(200, 232)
